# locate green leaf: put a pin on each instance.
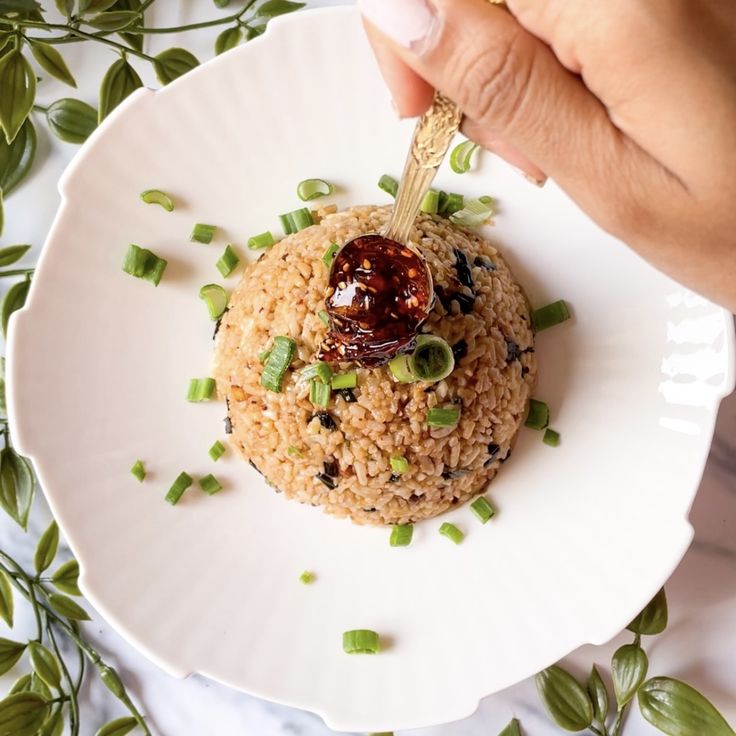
(22, 714)
(272, 8)
(173, 63)
(17, 486)
(65, 606)
(45, 664)
(629, 667)
(21, 685)
(598, 695)
(112, 680)
(65, 7)
(10, 653)
(115, 20)
(118, 727)
(653, 619)
(221, 3)
(71, 120)
(6, 599)
(513, 729)
(565, 699)
(15, 298)
(66, 577)
(54, 726)
(52, 61)
(2, 213)
(39, 687)
(677, 709)
(133, 39)
(10, 6)
(228, 39)
(119, 81)
(46, 548)
(18, 83)
(12, 253)
(16, 157)
(96, 6)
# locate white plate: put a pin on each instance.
(99, 366)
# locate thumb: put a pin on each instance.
(513, 89)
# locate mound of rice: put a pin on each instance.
(289, 441)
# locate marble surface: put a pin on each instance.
(697, 647)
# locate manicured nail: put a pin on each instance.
(408, 22)
(533, 180)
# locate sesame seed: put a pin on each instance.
(412, 273)
(366, 263)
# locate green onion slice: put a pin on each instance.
(294, 451)
(228, 261)
(401, 535)
(278, 360)
(202, 233)
(263, 356)
(201, 389)
(215, 297)
(329, 255)
(461, 155)
(451, 532)
(319, 370)
(307, 577)
(349, 379)
(551, 437)
(139, 471)
(430, 203)
(475, 212)
(310, 189)
(439, 417)
(319, 393)
(324, 317)
(293, 222)
(450, 203)
(144, 264)
(538, 416)
(210, 485)
(432, 359)
(389, 185)
(262, 240)
(217, 450)
(360, 641)
(400, 367)
(482, 509)
(183, 481)
(156, 196)
(399, 464)
(550, 315)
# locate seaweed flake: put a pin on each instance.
(512, 351)
(508, 455)
(325, 419)
(348, 395)
(370, 511)
(459, 350)
(255, 467)
(483, 263)
(464, 276)
(329, 482)
(228, 425)
(331, 467)
(394, 478)
(454, 474)
(465, 302)
(524, 370)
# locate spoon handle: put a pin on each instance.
(432, 137)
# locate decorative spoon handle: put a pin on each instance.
(432, 137)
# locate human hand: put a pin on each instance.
(629, 106)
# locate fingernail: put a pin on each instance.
(533, 180)
(407, 22)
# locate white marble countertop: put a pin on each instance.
(698, 646)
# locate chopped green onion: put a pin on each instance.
(210, 485)
(139, 471)
(293, 222)
(399, 464)
(400, 367)
(217, 450)
(263, 356)
(177, 489)
(430, 203)
(538, 416)
(310, 189)
(474, 213)
(451, 532)
(482, 509)
(264, 240)
(329, 254)
(319, 393)
(461, 155)
(401, 535)
(389, 185)
(450, 203)
(324, 317)
(432, 359)
(202, 233)
(438, 417)
(551, 437)
(278, 360)
(349, 379)
(201, 389)
(228, 261)
(319, 370)
(550, 315)
(144, 264)
(156, 196)
(307, 577)
(215, 297)
(360, 641)
(294, 451)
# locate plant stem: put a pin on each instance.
(234, 17)
(596, 731)
(17, 272)
(40, 108)
(73, 703)
(619, 722)
(29, 594)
